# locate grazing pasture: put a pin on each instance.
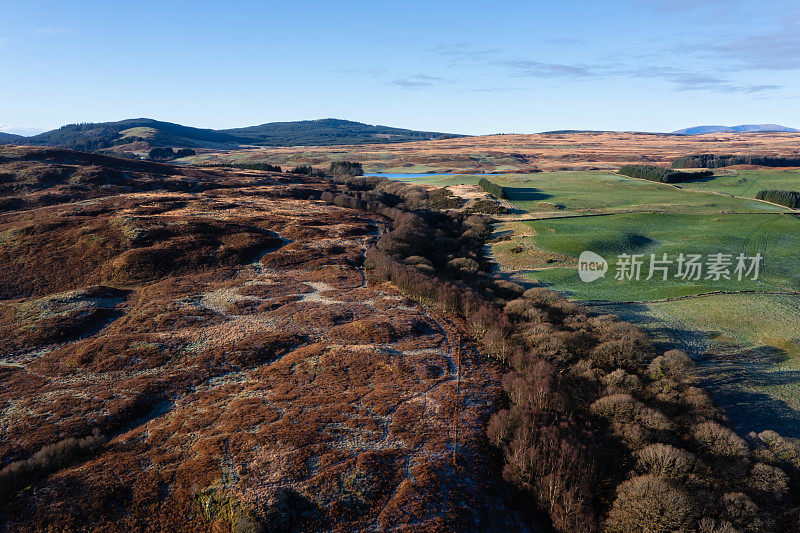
(560, 214)
(747, 182)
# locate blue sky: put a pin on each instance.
(467, 67)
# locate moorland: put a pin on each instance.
(207, 348)
(518, 153)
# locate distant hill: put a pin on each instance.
(145, 133)
(10, 138)
(92, 136)
(329, 131)
(743, 128)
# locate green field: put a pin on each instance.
(749, 182)
(568, 192)
(749, 342)
(775, 236)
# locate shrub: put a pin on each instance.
(50, 458)
(623, 353)
(674, 364)
(720, 441)
(463, 267)
(768, 483)
(665, 461)
(618, 407)
(620, 381)
(651, 504)
(743, 513)
(482, 205)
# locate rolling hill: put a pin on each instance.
(10, 138)
(329, 131)
(142, 133)
(742, 128)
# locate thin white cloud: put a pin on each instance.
(54, 31)
(418, 80)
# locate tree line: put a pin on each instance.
(787, 198)
(601, 431)
(265, 167)
(346, 168)
(492, 188)
(169, 153)
(716, 161)
(661, 174)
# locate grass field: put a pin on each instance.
(749, 182)
(573, 192)
(750, 343)
(775, 236)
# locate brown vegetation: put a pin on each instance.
(591, 402)
(207, 355)
(529, 153)
(248, 364)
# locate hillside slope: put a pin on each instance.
(143, 133)
(92, 136)
(330, 131)
(198, 350)
(10, 138)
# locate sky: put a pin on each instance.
(473, 67)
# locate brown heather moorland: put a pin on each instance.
(521, 153)
(197, 349)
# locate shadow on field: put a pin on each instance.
(699, 180)
(525, 194)
(664, 337)
(728, 376)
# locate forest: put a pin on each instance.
(717, 161)
(787, 198)
(492, 188)
(661, 174)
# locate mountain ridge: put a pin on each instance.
(741, 128)
(143, 133)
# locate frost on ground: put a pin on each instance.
(227, 365)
